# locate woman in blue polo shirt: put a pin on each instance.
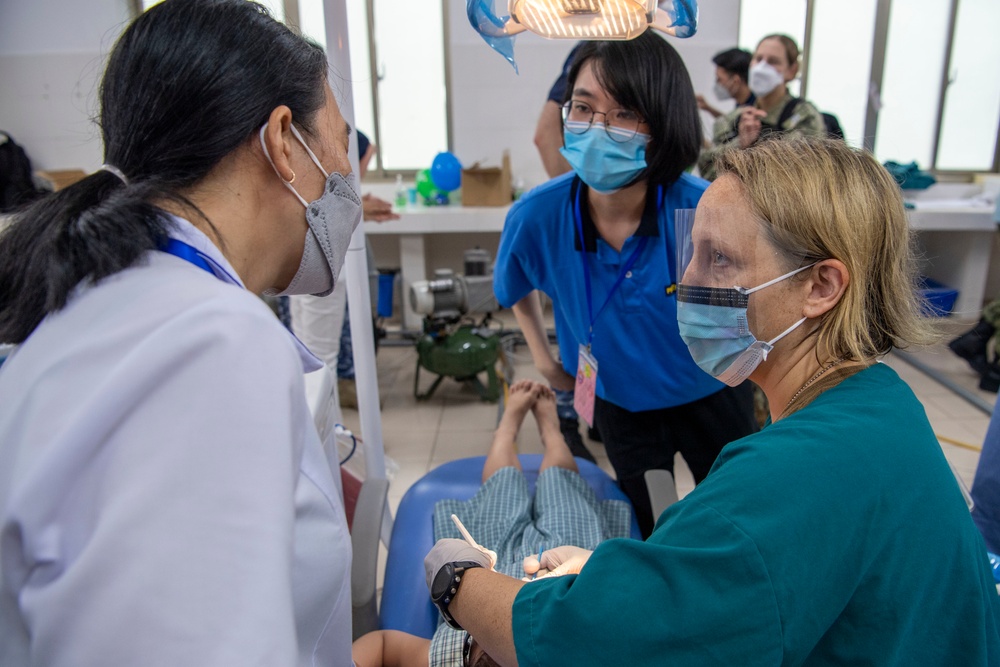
(600, 242)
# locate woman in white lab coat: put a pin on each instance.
(164, 497)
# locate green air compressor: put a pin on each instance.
(453, 344)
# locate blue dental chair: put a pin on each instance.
(406, 605)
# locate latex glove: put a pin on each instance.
(472, 542)
(556, 562)
(450, 550)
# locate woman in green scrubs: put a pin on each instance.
(837, 534)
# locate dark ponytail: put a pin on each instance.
(188, 82)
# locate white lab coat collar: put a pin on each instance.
(182, 230)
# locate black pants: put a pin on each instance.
(648, 440)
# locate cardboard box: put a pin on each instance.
(60, 178)
(487, 186)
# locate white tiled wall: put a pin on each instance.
(51, 60)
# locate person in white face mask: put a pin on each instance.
(775, 63)
(164, 496)
(732, 68)
(837, 535)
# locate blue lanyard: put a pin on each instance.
(586, 265)
(187, 253)
(198, 258)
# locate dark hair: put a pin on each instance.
(647, 75)
(188, 83)
(17, 187)
(735, 61)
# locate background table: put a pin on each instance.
(956, 244)
(418, 225)
(955, 236)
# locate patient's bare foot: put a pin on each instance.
(544, 409)
(520, 398)
(557, 452)
(503, 451)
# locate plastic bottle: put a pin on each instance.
(400, 192)
(518, 188)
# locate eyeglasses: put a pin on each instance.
(620, 124)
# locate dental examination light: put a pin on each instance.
(592, 19)
(498, 21)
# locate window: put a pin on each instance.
(916, 114)
(312, 21)
(409, 53)
(914, 61)
(401, 101)
(968, 136)
(840, 62)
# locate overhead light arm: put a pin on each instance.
(578, 19)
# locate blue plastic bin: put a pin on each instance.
(386, 282)
(939, 299)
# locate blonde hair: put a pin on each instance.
(820, 199)
(791, 48)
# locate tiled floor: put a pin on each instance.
(454, 422)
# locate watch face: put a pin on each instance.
(442, 581)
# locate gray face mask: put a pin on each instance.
(332, 220)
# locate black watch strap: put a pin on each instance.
(445, 589)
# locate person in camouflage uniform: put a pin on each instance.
(775, 63)
(991, 314)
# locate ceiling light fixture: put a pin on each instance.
(578, 19)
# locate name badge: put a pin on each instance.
(586, 385)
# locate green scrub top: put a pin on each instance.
(837, 535)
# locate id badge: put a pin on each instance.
(586, 386)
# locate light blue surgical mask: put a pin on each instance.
(713, 324)
(604, 164)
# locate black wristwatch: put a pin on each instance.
(445, 587)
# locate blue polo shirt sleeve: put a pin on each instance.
(517, 269)
(700, 595)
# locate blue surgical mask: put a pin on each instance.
(604, 164)
(713, 324)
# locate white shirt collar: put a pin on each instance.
(184, 231)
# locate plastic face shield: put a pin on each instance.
(716, 247)
(498, 21)
(725, 254)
